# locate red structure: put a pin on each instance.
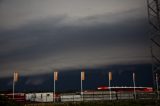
(19, 97)
(127, 89)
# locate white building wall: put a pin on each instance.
(40, 97)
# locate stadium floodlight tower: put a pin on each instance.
(154, 20)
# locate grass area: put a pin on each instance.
(104, 103)
(5, 102)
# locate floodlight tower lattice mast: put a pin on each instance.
(154, 20)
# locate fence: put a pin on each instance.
(105, 95)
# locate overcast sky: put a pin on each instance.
(37, 36)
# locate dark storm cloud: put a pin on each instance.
(62, 41)
(60, 38)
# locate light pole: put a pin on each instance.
(157, 85)
(15, 79)
(55, 79)
(110, 78)
(82, 78)
(134, 84)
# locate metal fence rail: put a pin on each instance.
(106, 96)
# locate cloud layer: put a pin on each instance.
(38, 36)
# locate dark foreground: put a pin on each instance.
(5, 102)
(94, 103)
(104, 103)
